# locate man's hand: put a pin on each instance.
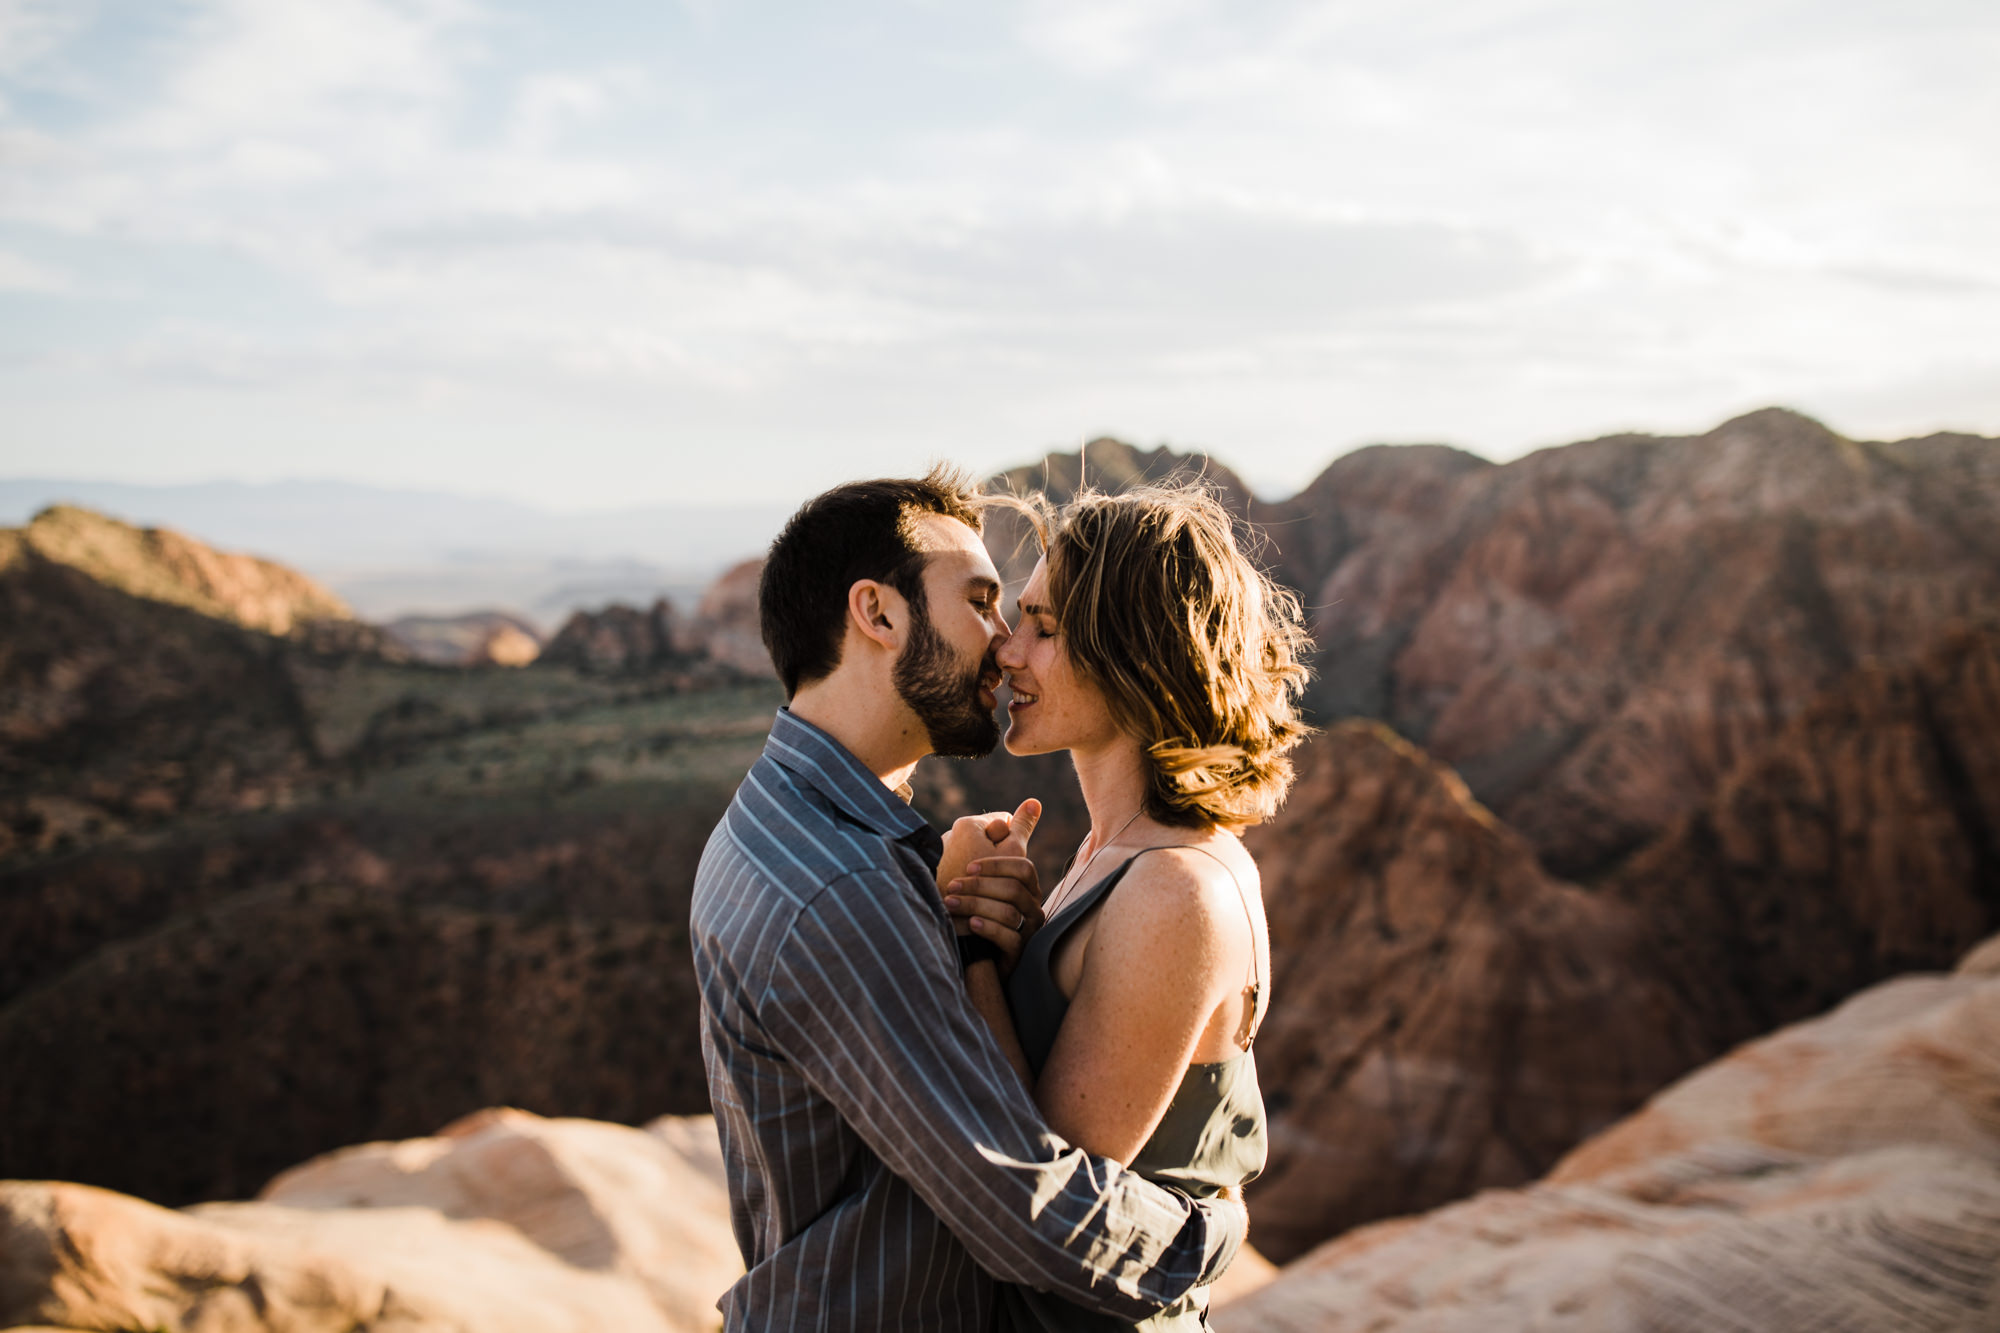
(968, 838)
(997, 893)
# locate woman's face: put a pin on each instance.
(1053, 708)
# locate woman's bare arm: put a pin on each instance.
(982, 986)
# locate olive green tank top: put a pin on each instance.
(1211, 1137)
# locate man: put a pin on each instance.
(885, 1163)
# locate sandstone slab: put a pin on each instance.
(1902, 1240)
(648, 1205)
(77, 1257)
(504, 1221)
(1843, 1174)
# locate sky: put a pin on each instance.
(593, 254)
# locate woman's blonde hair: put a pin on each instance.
(1196, 651)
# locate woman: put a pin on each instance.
(1150, 648)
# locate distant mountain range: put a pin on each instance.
(391, 553)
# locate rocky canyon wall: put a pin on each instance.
(265, 894)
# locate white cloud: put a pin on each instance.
(31, 29)
(1275, 228)
(549, 104)
(1105, 36)
(20, 274)
(269, 67)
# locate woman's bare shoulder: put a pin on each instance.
(1181, 888)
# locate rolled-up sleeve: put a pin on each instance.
(865, 998)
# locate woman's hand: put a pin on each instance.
(998, 898)
(997, 893)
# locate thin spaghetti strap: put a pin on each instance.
(1253, 993)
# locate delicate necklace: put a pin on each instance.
(1060, 898)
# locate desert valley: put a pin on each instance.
(1633, 919)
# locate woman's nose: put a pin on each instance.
(1008, 654)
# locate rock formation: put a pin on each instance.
(507, 645)
(477, 638)
(1106, 464)
(86, 1258)
(1596, 635)
(1103, 465)
(1842, 1174)
(503, 1222)
(1862, 841)
(1913, 1061)
(1445, 1016)
(648, 1205)
(618, 640)
(234, 865)
(1448, 1016)
(726, 627)
(722, 639)
(1380, 500)
(195, 1060)
(121, 711)
(164, 566)
(145, 677)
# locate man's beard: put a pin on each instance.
(944, 695)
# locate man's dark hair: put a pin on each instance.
(862, 530)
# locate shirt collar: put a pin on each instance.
(830, 768)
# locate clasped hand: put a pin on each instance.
(991, 888)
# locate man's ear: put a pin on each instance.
(878, 612)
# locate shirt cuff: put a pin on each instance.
(1228, 1228)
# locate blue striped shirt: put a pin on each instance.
(885, 1163)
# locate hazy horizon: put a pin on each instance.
(16, 486)
(394, 552)
(401, 551)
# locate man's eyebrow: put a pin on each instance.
(984, 586)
